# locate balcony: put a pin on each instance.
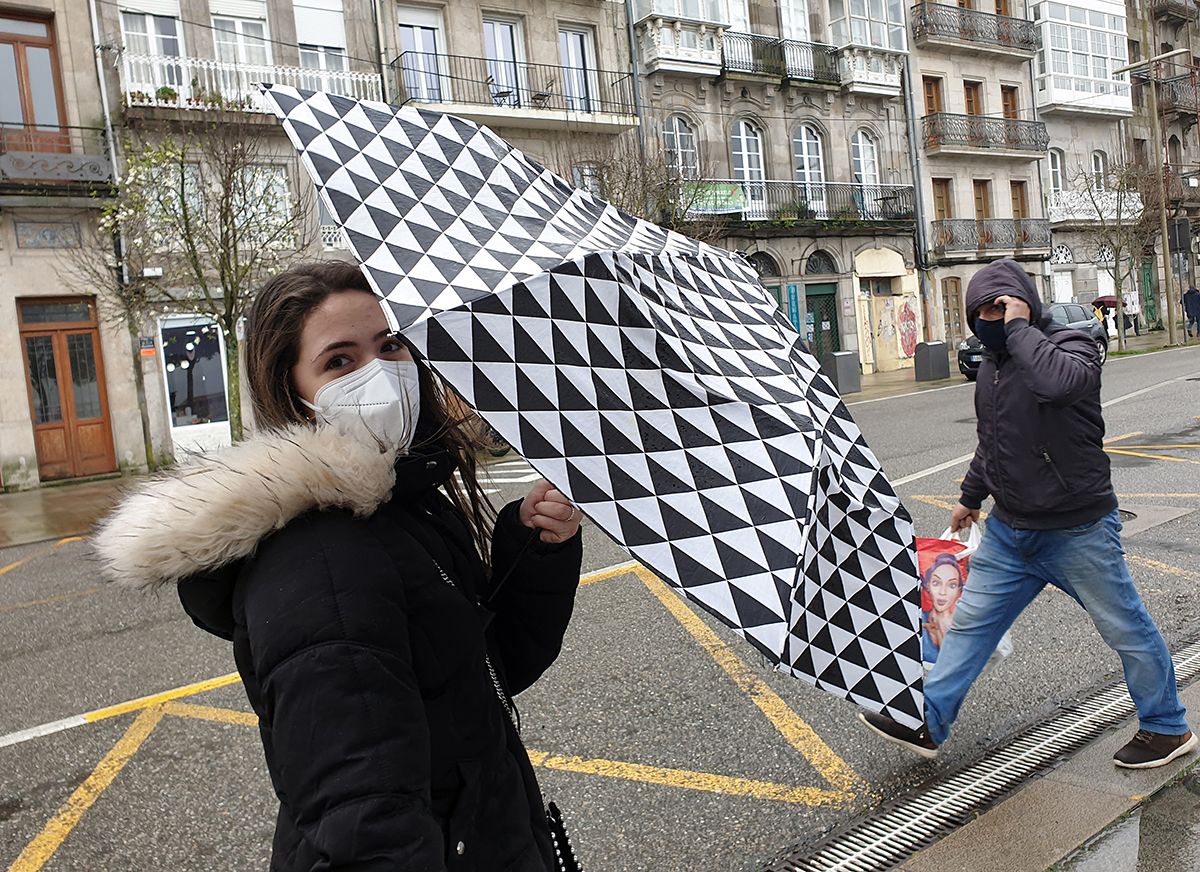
(1091, 207)
(968, 236)
(332, 238)
(678, 45)
(1182, 188)
(200, 84)
(755, 56)
(1180, 95)
(946, 133)
(540, 96)
(801, 201)
(1178, 10)
(60, 161)
(935, 24)
(865, 70)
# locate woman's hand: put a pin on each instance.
(936, 632)
(549, 510)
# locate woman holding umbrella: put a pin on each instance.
(381, 615)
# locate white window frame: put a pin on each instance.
(584, 77)
(748, 165)
(242, 42)
(864, 160)
(425, 74)
(321, 76)
(507, 84)
(159, 70)
(679, 143)
(1099, 171)
(1080, 48)
(808, 165)
(1056, 171)
(870, 23)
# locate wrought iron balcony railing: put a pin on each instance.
(1093, 206)
(931, 21)
(53, 158)
(949, 131)
(800, 201)
(1184, 10)
(424, 77)
(779, 58)
(198, 83)
(1181, 94)
(990, 234)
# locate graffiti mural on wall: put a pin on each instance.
(908, 328)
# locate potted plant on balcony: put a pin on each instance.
(166, 94)
(796, 210)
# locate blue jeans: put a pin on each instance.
(1010, 568)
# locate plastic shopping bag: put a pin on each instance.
(943, 565)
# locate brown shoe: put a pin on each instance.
(1147, 750)
(917, 741)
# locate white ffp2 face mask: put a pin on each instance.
(382, 396)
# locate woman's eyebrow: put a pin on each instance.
(350, 343)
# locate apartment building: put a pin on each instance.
(789, 117)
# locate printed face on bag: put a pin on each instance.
(945, 588)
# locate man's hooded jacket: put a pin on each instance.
(1041, 432)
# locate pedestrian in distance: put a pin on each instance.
(350, 567)
(1191, 310)
(1037, 400)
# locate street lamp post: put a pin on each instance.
(1156, 130)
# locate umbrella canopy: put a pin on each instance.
(1110, 301)
(648, 376)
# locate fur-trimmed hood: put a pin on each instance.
(216, 508)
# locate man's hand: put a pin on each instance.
(549, 510)
(962, 518)
(1014, 307)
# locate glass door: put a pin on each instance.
(574, 48)
(193, 361)
(419, 63)
(746, 150)
(31, 107)
(500, 43)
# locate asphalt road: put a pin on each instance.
(666, 740)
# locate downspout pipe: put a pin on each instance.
(920, 239)
(635, 72)
(377, 21)
(1047, 289)
(97, 51)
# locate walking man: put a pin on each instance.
(1191, 309)
(1037, 399)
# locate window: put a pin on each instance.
(1020, 199)
(820, 263)
(194, 376)
(794, 15)
(1003, 8)
(28, 58)
(697, 10)
(321, 59)
(982, 190)
(1099, 171)
(420, 44)
(878, 23)
(241, 41)
(973, 97)
(1140, 152)
(863, 159)
(764, 265)
(808, 156)
(746, 150)
(586, 177)
(1056, 171)
(152, 43)
(933, 94)
(1062, 254)
(504, 50)
(679, 142)
(575, 55)
(1009, 106)
(1080, 48)
(943, 204)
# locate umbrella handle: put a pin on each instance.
(533, 534)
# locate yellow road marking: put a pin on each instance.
(38, 852)
(688, 780)
(42, 553)
(1151, 456)
(51, 600)
(799, 734)
(14, 565)
(68, 540)
(1162, 567)
(611, 572)
(211, 713)
(1164, 447)
(144, 702)
(1124, 437)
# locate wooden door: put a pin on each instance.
(982, 190)
(943, 208)
(68, 404)
(973, 97)
(1008, 101)
(1020, 201)
(952, 309)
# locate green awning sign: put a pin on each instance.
(715, 198)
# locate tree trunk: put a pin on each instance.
(233, 370)
(139, 383)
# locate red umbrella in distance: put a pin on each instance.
(1109, 301)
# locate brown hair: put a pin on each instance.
(272, 345)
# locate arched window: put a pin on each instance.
(745, 147)
(1062, 254)
(1174, 151)
(1056, 171)
(865, 161)
(820, 263)
(764, 265)
(1099, 171)
(679, 142)
(808, 155)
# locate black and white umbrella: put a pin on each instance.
(648, 376)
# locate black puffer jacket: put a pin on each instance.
(386, 740)
(1041, 431)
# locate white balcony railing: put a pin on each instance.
(870, 70)
(1093, 206)
(198, 83)
(680, 45)
(332, 237)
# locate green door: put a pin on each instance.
(821, 323)
(1149, 294)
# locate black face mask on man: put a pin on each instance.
(991, 333)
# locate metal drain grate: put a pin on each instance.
(887, 839)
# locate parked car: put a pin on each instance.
(1073, 315)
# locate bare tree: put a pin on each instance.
(212, 209)
(1113, 208)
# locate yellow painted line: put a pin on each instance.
(1151, 456)
(14, 565)
(1163, 447)
(51, 600)
(1148, 496)
(144, 702)
(1124, 436)
(68, 540)
(609, 572)
(688, 780)
(798, 734)
(1158, 565)
(41, 553)
(211, 713)
(38, 852)
(937, 502)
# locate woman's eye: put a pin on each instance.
(391, 346)
(337, 362)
